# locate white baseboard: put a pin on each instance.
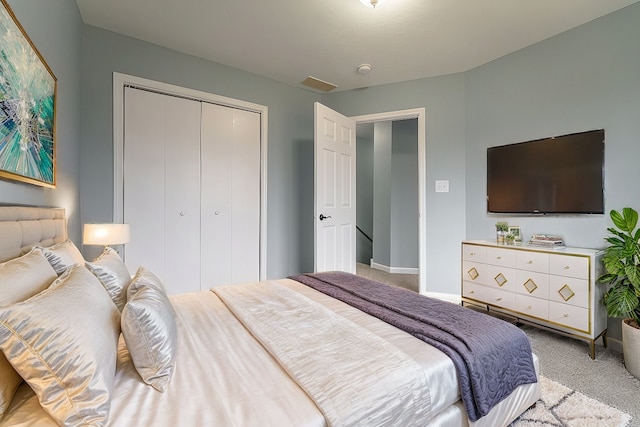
(394, 270)
(454, 298)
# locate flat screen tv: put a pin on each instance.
(559, 175)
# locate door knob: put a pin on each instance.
(322, 217)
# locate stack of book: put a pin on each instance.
(546, 241)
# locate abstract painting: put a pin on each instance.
(27, 107)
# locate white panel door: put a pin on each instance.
(230, 195)
(162, 187)
(335, 191)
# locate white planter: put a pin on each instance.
(631, 348)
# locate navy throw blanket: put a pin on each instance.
(492, 357)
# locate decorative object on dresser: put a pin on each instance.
(550, 288)
(546, 240)
(515, 232)
(622, 277)
(27, 117)
(501, 231)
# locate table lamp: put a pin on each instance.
(105, 234)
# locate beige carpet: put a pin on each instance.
(562, 407)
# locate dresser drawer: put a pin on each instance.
(532, 283)
(501, 277)
(501, 256)
(473, 253)
(473, 272)
(569, 316)
(473, 291)
(533, 261)
(569, 290)
(572, 266)
(535, 307)
(501, 298)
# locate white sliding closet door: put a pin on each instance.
(162, 187)
(191, 180)
(230, 195)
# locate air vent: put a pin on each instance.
(318, 84)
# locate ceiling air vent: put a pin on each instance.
(318, 84)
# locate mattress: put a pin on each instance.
(224, 377)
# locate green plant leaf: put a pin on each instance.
(621, 300)
(622, 264)
(625, 221)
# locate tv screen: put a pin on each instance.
(559, 175)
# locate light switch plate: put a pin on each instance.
(442, 186)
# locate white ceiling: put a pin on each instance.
(288, 40)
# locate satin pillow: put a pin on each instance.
(63, 255)
(149, 330)
(63, 342)
(113, 275)
(144, 278)
(20, 279)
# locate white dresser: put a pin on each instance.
(554, 288)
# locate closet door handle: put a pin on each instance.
(322, 217)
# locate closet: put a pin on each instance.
(191, 179)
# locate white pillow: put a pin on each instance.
(20, 279)
(149, 329)
(63, 255)
(113, 275)
(63, 342)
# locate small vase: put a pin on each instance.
(500, 237)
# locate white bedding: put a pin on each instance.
(224, 377)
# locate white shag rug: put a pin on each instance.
(560, 406)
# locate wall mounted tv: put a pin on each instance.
(559, 175)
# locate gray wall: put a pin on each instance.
(587, 78)
(364, 191)
(382, 193)
(404, 194)
(55, 28)
(444, 101)
(290, 153)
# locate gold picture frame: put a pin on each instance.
(28, 93)
(515, 231)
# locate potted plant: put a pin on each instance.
(622, 276)
(501, 231)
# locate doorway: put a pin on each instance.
(419, 115)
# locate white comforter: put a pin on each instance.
(354, 376)
(225, 377)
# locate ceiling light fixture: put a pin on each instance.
(372, 3)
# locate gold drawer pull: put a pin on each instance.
(498, 257)
(499, 299)
(472, 254)
(472, 292)
(566, 267)
(529, 308)
(566, 315)
(530, 262)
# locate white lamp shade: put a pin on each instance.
(105, 234)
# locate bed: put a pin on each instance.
(231, 367)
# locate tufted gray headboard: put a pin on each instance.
(22, 227)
